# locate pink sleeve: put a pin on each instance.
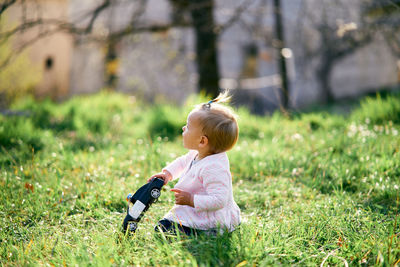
(178, 165)
(216, 181)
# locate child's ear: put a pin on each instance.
(203, 141)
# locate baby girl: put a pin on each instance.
(203, 195)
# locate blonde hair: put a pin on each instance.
(219, 123)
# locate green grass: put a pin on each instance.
(314, 188)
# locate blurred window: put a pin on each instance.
(49, 63)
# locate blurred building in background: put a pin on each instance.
(51, 52)
(162, 64)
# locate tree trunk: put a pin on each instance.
(324, 74)
(206, 47)
(282, 60)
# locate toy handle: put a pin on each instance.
(159, 178)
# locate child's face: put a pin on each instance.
(192, 132)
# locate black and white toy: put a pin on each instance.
(140, 202)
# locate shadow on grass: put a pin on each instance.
(213, 250)
(207, 250)
(385, 203)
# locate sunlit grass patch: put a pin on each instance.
(312, 188)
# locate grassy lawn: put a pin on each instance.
(313, 188)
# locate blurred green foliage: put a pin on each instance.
(165, 121)
(378, 110)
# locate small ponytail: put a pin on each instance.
(223, 97)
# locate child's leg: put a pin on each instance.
(169, 226)
(164, 225)
(187, 230)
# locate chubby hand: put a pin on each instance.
(165, 175)
(182, 197)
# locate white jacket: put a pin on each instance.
(210, 181)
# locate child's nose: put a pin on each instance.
(184, 128)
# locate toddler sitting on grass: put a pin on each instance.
(203, 195)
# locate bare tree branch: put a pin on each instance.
(6, 5)
(24, 46)
(201, 19)
(131, 28)
(95, 13)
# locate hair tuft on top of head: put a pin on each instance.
(223, 97)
